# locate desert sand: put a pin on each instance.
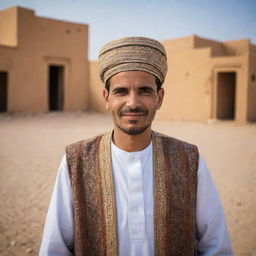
(33, 145)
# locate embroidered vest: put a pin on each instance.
(175, 183)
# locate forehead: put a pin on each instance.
(132, 78)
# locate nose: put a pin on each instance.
(133, 100)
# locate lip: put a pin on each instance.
(133, 116)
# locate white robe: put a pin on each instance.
(133, 181)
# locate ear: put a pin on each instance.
(105, 96)
(160, 93)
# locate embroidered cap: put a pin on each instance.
(133, 53)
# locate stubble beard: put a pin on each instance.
(133, 131)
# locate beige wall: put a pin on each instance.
(217, 48)
(237, 47)
(96, 102)
(252, 85)
(191, 82)
(43, 42)
(186, 86)
(179, 44)
(8, 27)
(191, 85)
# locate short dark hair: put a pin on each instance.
(158, 84)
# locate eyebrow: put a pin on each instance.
(119, 88)
(140, 88)
(145, 87)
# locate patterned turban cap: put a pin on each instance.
(133, 53)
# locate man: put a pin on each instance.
(133, 191)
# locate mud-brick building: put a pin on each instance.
(43, 63)
(206, 80)
(44, 66)
(210, 80)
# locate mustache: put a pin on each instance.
(127, 110)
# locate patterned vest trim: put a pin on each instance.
(175, 183)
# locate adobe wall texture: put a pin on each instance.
(43, 42)
(252, 85)
(187, 85)
(8, 27)
(96, 102)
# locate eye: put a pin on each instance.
(146, 90)
(119, 91)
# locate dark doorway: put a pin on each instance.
(226, 94)
(56, 74)
(3, 91)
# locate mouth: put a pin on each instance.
(134, 114)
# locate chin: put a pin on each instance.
(133, 130)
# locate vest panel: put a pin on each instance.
(175, 183)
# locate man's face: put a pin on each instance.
(133, 100)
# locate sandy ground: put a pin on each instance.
(32, 147)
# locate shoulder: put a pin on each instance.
(82, 144)
(82, 149)
(178, 149)
(85, 141)
(179, 143)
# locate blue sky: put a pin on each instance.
(220, 20)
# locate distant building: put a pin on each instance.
(44, 66)
(210, 80)
(205, 80)
(43, 63)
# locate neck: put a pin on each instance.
(131, 143)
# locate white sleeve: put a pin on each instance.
(212, 233)
(58, 231)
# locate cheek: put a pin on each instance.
(113, 109)
(152, 105)
(115, 105)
